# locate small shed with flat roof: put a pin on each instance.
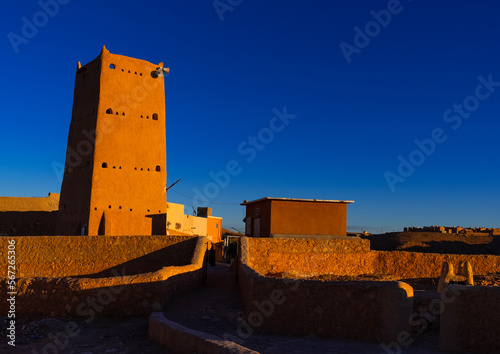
(292, 217)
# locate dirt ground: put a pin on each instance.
(48, 336)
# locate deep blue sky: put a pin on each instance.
(352, 120)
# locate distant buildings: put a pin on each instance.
(455, 230)
(280, 217)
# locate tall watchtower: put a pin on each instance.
(115, 173)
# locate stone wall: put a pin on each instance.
(469, 319)
(374, 311)
(85, 276)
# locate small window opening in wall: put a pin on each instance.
(148, 210)
(135, 73)
(155, 116)
(120, 168)
(140, 74)
(142, 116)
(159, 211)
(95, 208)
(123, 70)
(112, 66)
(129, 71)
(141, 168)
(135, 168)
(109, 206)
(123, 113)
(216, 225)
(178, 225)
(147, 117)
(116, 113)
(158, 168)
(120, 207)
(148, 169)
(109, 111)
(104, 165)
(130, 209)
(114, 166)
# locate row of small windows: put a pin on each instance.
(113, 66)
(110, 111)
(109, 207)
(120, 208)
(157, 168)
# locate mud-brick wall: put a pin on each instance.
(123, 293)
(427, 265)
(374, 311)
(309, 257)
(470, 319)
(305, 257)
(57, 256)
(28, 223)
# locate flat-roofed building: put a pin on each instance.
(279, 217)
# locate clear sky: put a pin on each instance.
(394, 105)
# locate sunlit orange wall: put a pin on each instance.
(49, 203)
(116, 159)
(214, 226)
(299, 217)
(315, 218)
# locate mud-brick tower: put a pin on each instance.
(115, 173)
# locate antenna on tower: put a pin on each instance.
(173, 184)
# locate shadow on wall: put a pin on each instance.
(158, 224)
(435, 243)
(496, 244)
(27, 223)
(178, 254)
(456, 247)
(122, 300)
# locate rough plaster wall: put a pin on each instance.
(315, 218)
(423, 265)
(307, 257)
(123, 293)
(469, 319)
(375, 311)
(57, 256)
(49, 203)
(28, 223)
